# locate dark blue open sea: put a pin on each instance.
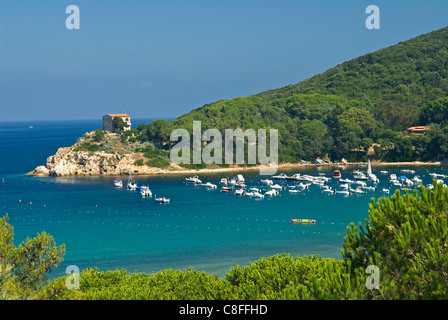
(210, 231)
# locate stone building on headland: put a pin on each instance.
(109, 124)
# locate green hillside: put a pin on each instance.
(360, 106)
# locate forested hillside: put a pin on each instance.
(360, 106)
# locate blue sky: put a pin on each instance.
(163, 58)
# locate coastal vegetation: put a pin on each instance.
(358, 109)
(405, 236)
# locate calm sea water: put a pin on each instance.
(111, 228)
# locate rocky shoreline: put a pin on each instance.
(67, 162)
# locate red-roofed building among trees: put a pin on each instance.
(110, 125)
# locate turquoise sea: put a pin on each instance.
(111, 228)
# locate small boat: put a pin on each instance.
(145, 191)
(240, 192)
(209, 185)
(359, 175)
(361, 183)
(437, 175)
(294, 177)
(346, 180)
(303, 186)
(396, 183)
(277, 187)
(384, 172)
(162, 200)
(337, 174)
(118, 183)
(294, 191)
(357, 191)
(343, 192)
(267, 182)
(226, 189)
(393, 176)
(328, 191)
(240, 181)
(385, 190)
(257, 195)
(368, 188)
(303, 221)
(223, 181)
(194, 179)
(281, 176)
(407, 171)
(272, 192)
(254, 189)
(131, 185)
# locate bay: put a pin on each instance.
(210, 231)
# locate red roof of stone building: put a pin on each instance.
(118, 115)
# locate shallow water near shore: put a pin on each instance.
(111, 228)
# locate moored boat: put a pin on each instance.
(194, 179)
(337, 174)
(118, 183)
(162, 200)
(303, 221)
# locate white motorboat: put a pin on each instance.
(346, 181)
(396, 183)
(343, 192)
(385, 190)
(294, 177)
(358, 191)
(162, 200)
(267, 182)
(258, 195)
(118, 183)
(368, 188)
(303, 186)
(438, 175)
(328, 191)
(281, 176)
(417, 180)
(231, 182)
(393, 176)
(361, 183)
(145, 191)
(209, 185)
(384, 172)
(344, 186)
(223, 181)
(407, 171)
(131, 185)
(277, 187)
(240, 192)
(272, 192)
(306, 178)
(194, 179)
(359, 175)
(254, 189)
(294, 191)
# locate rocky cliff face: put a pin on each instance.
(67, 162)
